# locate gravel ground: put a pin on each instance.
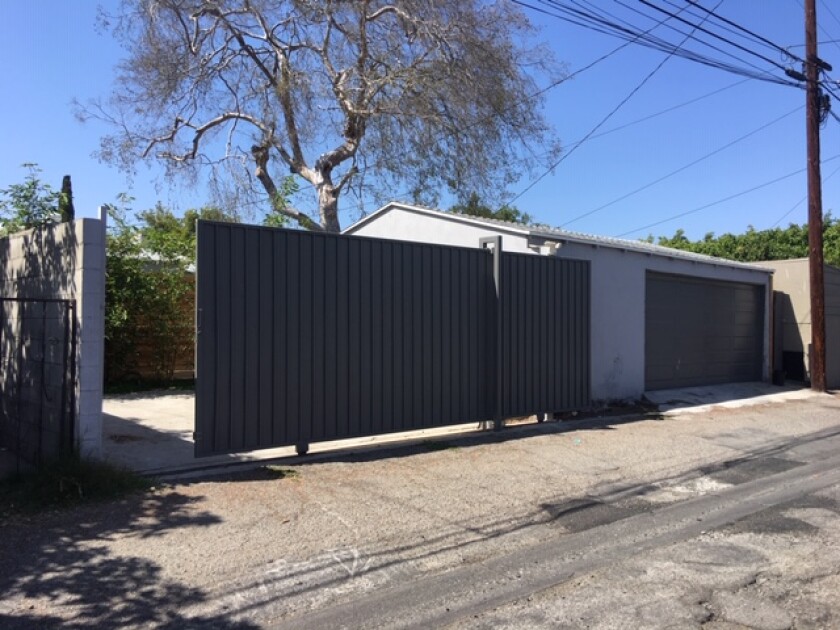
(241, 551)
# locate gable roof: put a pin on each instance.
(554, 234)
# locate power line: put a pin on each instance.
(600, 124)
(685, 167)
(598, 23)
(609, 131)
(720, 201)
(827, 7)
(630, 35)
(715, 35)
(746, 30)
(819, 26)
(801, 201)
(702, 41)
(576, 73)
(558, 82)
(825, 41)
(661, 112)
(665, 111)
(832, 14)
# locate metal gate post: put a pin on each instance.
(495, 243)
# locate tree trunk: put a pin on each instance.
(328, 204)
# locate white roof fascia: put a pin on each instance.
(561, 236)
(439, 214)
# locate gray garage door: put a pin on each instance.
(702, 332)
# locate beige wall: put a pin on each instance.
(792, 277)
(67, 261)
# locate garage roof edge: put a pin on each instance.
(557, 235)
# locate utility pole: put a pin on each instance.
(815, 218)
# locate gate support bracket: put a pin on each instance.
(495, 243)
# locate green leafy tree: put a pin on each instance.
(149, 291)
(282, 202)
(755, 245)
(162, 233)
(475, 207)
(29, 204)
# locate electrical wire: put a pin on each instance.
(724, 200)
(715, 35)
(756, 36)
(801, 201)
(724, 27)
(609, 131)
(819, 26)
(604, 22)
(560, 81)
(607, 23)
(702, 41)
(663, 111)
(685, 167)
(599, 125)
(833, 15)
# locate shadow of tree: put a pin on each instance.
(41, 263)
(58, 570)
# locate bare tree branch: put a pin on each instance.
(261, 155)
(431, 94)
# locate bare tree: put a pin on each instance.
(342, 93)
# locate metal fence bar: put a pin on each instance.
(494, 243)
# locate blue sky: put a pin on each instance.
(52, 53)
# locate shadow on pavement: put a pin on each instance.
(161, 445)
(59, 563)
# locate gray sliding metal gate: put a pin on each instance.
(305, 337)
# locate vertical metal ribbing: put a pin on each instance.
(352, 336)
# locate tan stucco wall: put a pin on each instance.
(792, 277)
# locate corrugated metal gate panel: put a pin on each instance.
(702, 332)
(308, 337)
(545, 338)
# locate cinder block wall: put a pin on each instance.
(67, 261)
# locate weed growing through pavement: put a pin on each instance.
(439, 446)
(278, 472)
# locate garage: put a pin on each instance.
(702, 332)
(659, 317)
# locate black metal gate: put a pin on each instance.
(37, 378)
(305, 337)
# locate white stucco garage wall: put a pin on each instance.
(618, 282)
(400, 223)
(618, 311)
